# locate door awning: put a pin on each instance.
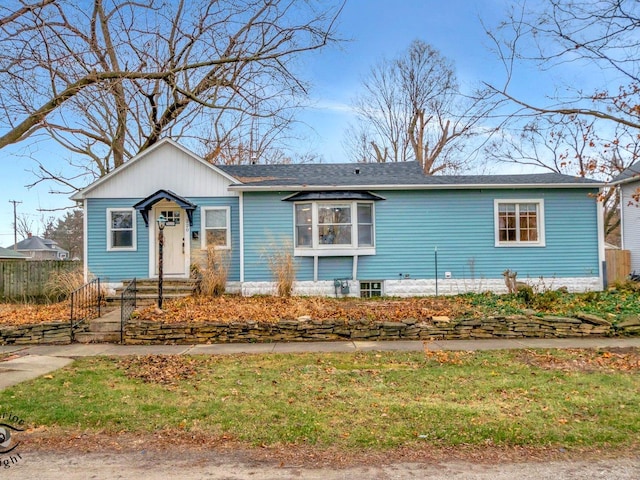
(143, 206)
(333, 195)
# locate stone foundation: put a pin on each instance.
(407, 287)
(304, 329)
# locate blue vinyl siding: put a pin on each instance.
(233, 202)
(410, 224)
(115, 266)
(268, 224)
(330, 268)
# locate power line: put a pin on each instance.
(15, 224)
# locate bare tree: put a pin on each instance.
(569, 145)
(590, 132)
(554, 33)
(23, 225)
(108, 78)
(411, 108)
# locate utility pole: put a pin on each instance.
(15, 224)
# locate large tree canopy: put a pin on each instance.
(411, 108)
(108, 78)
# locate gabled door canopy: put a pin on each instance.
(143, 206)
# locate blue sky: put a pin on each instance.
(373, 29)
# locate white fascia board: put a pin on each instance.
(81, 195)
(441, 186)
(635, 178)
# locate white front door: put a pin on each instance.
(174, 249)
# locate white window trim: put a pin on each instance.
(541, 242)
(318, 249)
(134, 234)
(203, 229)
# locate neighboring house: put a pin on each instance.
(628, 183)
(37, 248)
(378, 228)
(10, 254)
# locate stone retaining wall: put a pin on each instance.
(49, 332)
(305, 329)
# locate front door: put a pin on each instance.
(173, 252)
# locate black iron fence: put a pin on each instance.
(127, 305)
(85, 304)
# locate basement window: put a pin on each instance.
(370, 288)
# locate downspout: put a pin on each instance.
(241, 221)
(85, 240)
(601, 253)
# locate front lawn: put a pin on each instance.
(569, 399)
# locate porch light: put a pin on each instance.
(162, 221)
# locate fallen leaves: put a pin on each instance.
(21, 314)
(585, 360)
(231, 308)
(162, 369)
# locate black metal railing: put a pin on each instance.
(85, 304)
(127, 305)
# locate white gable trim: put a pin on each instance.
(82, 194)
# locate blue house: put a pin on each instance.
(378, 229)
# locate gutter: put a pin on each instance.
(443, 186)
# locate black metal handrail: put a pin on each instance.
(128, 301)
(85, 304)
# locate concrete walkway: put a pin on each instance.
(30, 361)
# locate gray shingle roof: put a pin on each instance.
(35, 243)
(629, 174)
(339, 174)
(380, 175)
(10, 253)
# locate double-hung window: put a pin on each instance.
(121, 229)
(519, 223)
(216, 227)
(340, 227)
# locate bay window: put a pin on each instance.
(334, 228)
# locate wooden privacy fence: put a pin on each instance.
(618, 265)
(25, 280)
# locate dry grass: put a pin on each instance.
(61, 284)
(213, 278)
(282, 265)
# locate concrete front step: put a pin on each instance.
(97, 337)
(104, 326)
(146, 299)
(147, 290)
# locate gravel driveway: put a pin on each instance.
(216, 466)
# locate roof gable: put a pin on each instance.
(145, 205)
(165, 165)
(630, 174)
